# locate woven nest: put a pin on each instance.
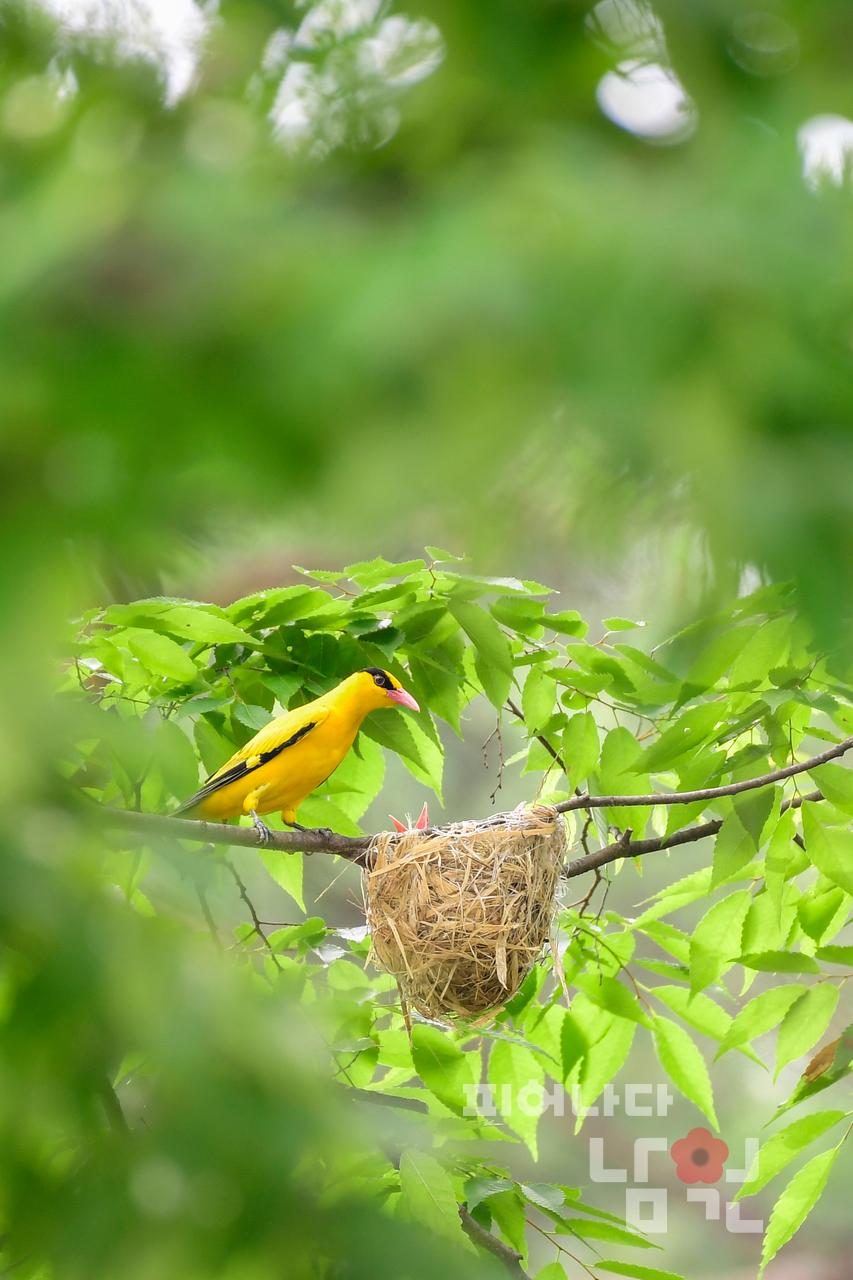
(459, 914)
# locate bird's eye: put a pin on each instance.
(380, 680)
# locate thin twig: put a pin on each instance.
(707, 793)
(256, 921)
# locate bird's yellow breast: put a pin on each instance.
(284, 782)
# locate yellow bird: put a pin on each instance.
(295, 753)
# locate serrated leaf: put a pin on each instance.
(795, 1204)
(829, 849)
(785, 1146)
(594, 1229)
(580, 748)
(621, 624)
(428, 1196)
(537, 699)
(716, 939)
(252, 717)
(517, 1078)
(733, 849)
(766, 648)
(203, 627)
(836, 783)
(835, 955)
(684, 1065)
(610, 994)
(441, 1065)
(573, 1044)
(160, 655)
(634, 1271)
(402, 734)
(479, 1189)
(493, 655)
(604, 1058)
(779, 962)
(567, 623)
(763, 1013)
(805, 1022)
(697, 1009)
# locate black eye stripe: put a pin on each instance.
(380, 677)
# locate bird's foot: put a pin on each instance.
(264, 833)
(296, 826)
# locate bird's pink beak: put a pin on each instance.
(404, 699)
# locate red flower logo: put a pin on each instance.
(699, 1157)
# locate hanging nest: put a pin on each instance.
(459, 914)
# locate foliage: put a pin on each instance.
(460, 305)
(291, 1032)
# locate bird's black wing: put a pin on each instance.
(243, 767)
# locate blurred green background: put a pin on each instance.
(564, 286)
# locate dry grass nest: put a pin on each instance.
(459, 914)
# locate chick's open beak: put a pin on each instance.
(404, 699)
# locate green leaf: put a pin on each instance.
(402, 734)
(177, 759)
(507, 1210)
(610, 994)
(493, 655)
(621, 624)
(805, 1022)
(733, 849)
(829, 849)
(604, 1058)
(580, 748)
(517, 1077)
(428, 1196)
(795, 1204)
(203, 626)
(836, 783)
(441, 1065)
(567, 623)
(765, 649)
(763, 1013)
(785, 1146)
(286, 870)
(252, 717)
(815, 911)
(573, 1044)
(697, 1009)
(634, 1271)
(684, 1065)
(551, 1271)
(159, 654)
(538, 698)
(779, 962)
(835, 955)
(479, 1189)
(716, 939)
(596, 1230)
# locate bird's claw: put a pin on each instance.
(264, 833)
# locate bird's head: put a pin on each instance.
(380, 689)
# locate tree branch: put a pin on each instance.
(634, 848)
(356, 848)
(480, 1236)
(708, 793)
